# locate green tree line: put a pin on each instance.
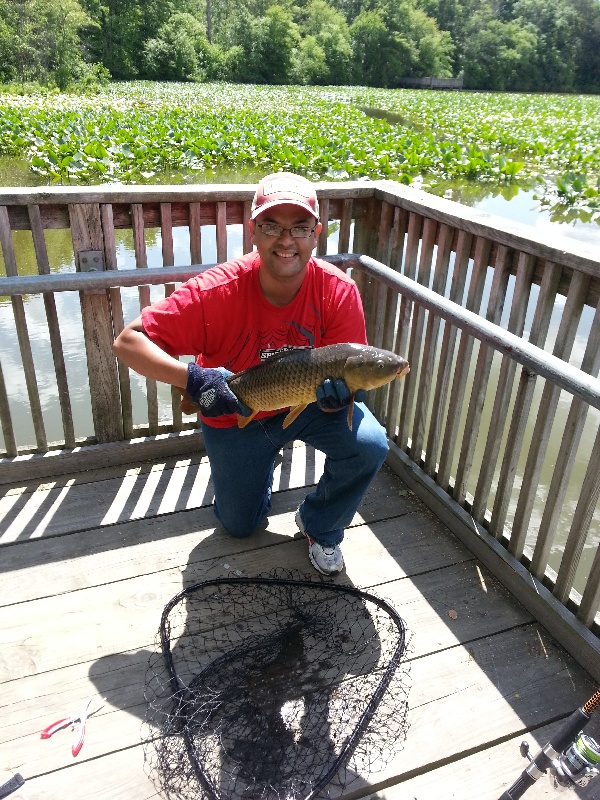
(503, 45)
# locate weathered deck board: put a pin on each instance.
(80, 608)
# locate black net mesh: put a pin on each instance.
(275, 688)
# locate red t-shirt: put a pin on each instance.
(223, 319)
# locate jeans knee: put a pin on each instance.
(375, 446)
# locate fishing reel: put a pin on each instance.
(570, 758)
(577, 765)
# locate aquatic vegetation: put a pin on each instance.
(138, 132)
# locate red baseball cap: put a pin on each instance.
(285, 188)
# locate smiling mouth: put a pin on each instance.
(284, 254)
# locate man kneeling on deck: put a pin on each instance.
(235, 315)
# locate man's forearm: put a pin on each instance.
(135, 349)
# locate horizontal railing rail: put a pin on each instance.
(496, 426)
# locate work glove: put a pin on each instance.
(335, 395)
(210, 390)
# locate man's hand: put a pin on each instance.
(210, 390)
(335, 395)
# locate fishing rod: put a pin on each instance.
(570, 757)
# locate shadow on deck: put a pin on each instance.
(89, 561)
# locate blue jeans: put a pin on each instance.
(242, 462)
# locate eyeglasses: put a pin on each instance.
(296, 232)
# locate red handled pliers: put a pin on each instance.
(80, 718)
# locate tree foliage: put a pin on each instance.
(504, 45)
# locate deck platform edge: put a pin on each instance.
(79, 459)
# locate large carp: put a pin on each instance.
(291, 378)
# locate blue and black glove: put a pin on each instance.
(335, 395)
(209, 389)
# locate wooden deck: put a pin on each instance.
(89, 561)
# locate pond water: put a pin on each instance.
(518, 204)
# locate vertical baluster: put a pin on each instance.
(516, 324)
(378, 400)
(18, 306)
(457, 288)
(545, 416)
(141, 262)
(586, 505)
(323, 236)
(345, 225)
(246, 238)
(195, 234)
(463, 361)
(430, 347)
(502, 266)
(116, 307)
(168, 259)
(41, 253)
(521, 409)
(221, 232)
(10, 444)
(590, 601)
(565, 460)
(88, 239)
(415, 226)
(411, 381)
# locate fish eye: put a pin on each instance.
(380, 364)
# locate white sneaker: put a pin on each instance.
(326, 560)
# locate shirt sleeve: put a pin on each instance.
(176, 324)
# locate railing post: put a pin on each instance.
(88, 247)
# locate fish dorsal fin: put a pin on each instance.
(294, 414)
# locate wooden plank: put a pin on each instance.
(486, 774)
(441, 683)
(398, 539)
(168, 258)
(195, 233)
(508, 367)
(18, 307)
(345, 225)
(246, 238)
(41, 254)
(221, 225)
(151, 489)
(116, 308)
(590, 601)
(64, 462)
(86, 233)
(10, 443)
(523, 401)
(545, 415)
(141, 262)
(323, 236)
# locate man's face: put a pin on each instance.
(284, 256)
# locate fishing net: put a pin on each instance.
(273, 688)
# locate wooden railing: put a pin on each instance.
(490, 315)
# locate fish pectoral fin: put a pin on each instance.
(243, 421)
(350, 411)
(294, 414)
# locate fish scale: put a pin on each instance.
(291, 378)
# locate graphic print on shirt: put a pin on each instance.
(257, 346)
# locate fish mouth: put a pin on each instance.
(404, 370)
